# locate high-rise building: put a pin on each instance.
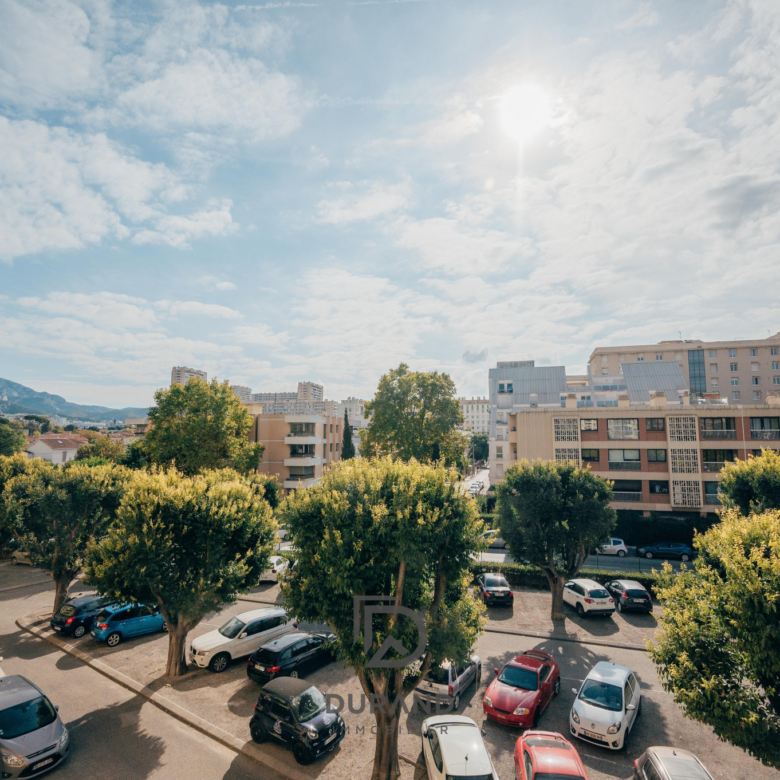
(180, 375)
(242, 392)
(310, 391)
(476, 414)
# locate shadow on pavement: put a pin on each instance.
(20, 644)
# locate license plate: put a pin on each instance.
(261, 668)
(57, 628)
(503, 717)
(638, 601)
(331, 738)
(45, 762)
(592, 735)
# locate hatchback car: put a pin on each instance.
(295, 712)
(588, 598)
(546, 754)
(494, 590)
(613, 547)
(76, 615)
(115, 623)
(20, 556)
(607, 705)
(629, 596)
(667, 550)
(665, 763)
(276, 566)
(452, 746)
(493, 538)
(291, 655)
(522, 689)
(441, 689)
(239, 637)
(32, 736)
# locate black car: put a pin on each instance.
(629, 596)
(494, 590)
(290, 655)
(76, 615)
(294, 711)
(666, 550)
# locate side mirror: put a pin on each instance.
(484, 733)
(631, 707)
(425, 734)
(56, 707)
(495, 670)
(574, 691)
(242, 636)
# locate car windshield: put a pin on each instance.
(439, 676)
(518, 677)
(232, 628)
(547, 742)
(598, 593)
(308, 705)
(496, 582)
(637, 594)
(68, 610)
(26, 717)
(601, 694)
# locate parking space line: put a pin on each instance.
(642, 689)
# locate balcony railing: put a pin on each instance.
(710, 499)
(766, 434)
(302, 433)
(303, 455)
(719, 434)
(713, 465)
(619, 465)
(621, 495)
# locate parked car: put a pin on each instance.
(291, 655)
(121, 621)
(607, 705)
(20, 556)
(666, 763)
(522, 689)
(452, 747)
(667, 550)
(493, 538)
(32, 736)
(629, 596)
(588, 598)
(494, 590)
(296, 713)
(76, 615)
(547, 754)
(441, 689)
(613, 547)
(276, 566)
(239, 637)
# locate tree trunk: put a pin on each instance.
(177, 663)
(386, 752)
(556, 586)
(61, 585)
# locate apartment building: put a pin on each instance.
(298, 447)
(309, 399)
(242, 392)
(738, 372)
(310, 391)
(180, 375)
(476, 414)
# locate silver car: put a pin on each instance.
(32, 736)
(665, 763)
(441, 689)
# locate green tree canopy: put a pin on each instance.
(718, 651)
(135, 456)
(554, 515)
(752, 485)
(54, 512)
(112, 450)
(187, 544)
(347, 445)
(386, 528)
(479, 446)
(44, 422)
(12, 438)
(414, 414)
(201, 426)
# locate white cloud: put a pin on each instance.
(223, 286)
(453, 126)
(177, 231)
(195, 308)
(644, 16)
(364, 201)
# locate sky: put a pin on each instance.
(285, 191)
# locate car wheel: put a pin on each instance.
(219, 662)
(621, 553)
(294, 673)
(456, 703)
(557, 688)
(648, 555)
(79, 631)
(258, 733)
(301, 753)
(685, 557)
(14, 561)
(619, 605)
(113, 639)
(580, 610)
(164, 628)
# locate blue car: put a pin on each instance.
(121, 621)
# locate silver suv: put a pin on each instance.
(665, 763)
(441, 689)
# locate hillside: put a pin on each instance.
(18, 399)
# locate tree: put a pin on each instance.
(187, 544)
(54, 512)
(135, 456)
(554, 515)
(70, 428)
(479, 446)
(718, 651)
(112, 450)
(414, 415)
(752, 485)
(201, 426)
(392, 529)
(43, 422)
(347, 445)
(12, 438)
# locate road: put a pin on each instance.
(114, 733)
(629, 563)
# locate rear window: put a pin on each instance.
(266, 657)
(637, 594)
(599, 593)
(685, 768)
(547, 742)
(68, 610)
(439, 676)
(496, 582)
(26, 717)
(103, 617)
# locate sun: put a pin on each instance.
(524, 111)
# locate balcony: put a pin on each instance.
(302, 438)
(626, 496)
(295, 483)
(765, 434)
(302, 460)
(713, 465)
(718, 434)
(616, 465)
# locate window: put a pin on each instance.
(506, 388)
(713, 353)
(589, 425)
(604, 360)
(659, 357)
(711, 492)
(628, 486)
(775, 365)
(713, 368)
(718, 456)
(754, 380)
(717, 424)
(623, 429)
(754, 366)
(732, 353)
(773, 351)
(696, 371)
(733, 366)
(776, 380)
(640, 357)
(753, 352)
(566, 429)
(656, 456)
(735, 381)
(756, 395)
(499, 452)
(624, 460)
(713, 382)
(659, 486)
(655, 423)
(735, 395)
(591, 456)
(682, 429)
(686, 492)
(685, 461)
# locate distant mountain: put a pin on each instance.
(18, 399)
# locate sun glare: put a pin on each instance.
(524, 111)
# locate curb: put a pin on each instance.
(32, 624)
(27, 585)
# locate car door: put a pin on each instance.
(613, 589)
(545, 684)
(433, 758)
(302, 654)
(568, 593)
(147, 620)
(278, 720)
(633, 685)
(250, 639)
(126, 621)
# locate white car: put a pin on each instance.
(453, 747)
(607, 705)
(276, 566)
(613, 547)
(588, 598)
(493, 539)
(239, 637)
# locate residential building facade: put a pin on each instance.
(242, 392)
(476, 414)
(57, 448)
(180, 375)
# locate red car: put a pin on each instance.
(522, 689)
(545, 754)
